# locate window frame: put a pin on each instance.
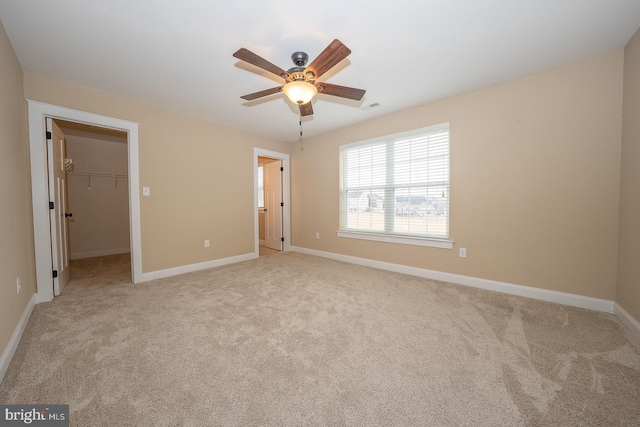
(406, 238)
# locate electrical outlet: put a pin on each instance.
(463, 252)
(206, 243)
(18, 285)
(317, 235)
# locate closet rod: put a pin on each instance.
(107, 175)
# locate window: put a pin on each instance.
(260, 186)
(396, 188)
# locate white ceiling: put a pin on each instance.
(178, 54)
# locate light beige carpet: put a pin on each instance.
(291, 340)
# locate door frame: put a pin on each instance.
(37, 113)
(273, 208)
(285, 188)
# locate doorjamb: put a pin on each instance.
(38, 111)
(286, 212)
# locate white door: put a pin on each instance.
(56, 150)
(273, 205)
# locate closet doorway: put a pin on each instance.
(97, 198)
(46, 245)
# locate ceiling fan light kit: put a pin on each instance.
(300, 83)
(299, 91)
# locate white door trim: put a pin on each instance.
(38, 111)
(286, 212)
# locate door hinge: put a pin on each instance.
(282, 239)
(55, 273)
(281, 169)
(281, 203)
(49, 136)
(51, 206)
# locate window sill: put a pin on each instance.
(403, 240)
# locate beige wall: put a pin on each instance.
(16, 235)
(100, 222)
(535, 180)
(628, 291)
(200, 174)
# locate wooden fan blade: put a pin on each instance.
(250, 57)
(341, 91)
(329, 57)
(262, 93)
(306, 109)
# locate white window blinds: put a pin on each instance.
(398, 185)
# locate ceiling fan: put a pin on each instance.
(300, 81)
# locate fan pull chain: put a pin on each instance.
(300, 127)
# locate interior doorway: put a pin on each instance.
(45, 246)
(270, 205)
(97, 211)
(272, 209)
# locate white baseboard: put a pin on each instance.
(103, 252)
(10, 350)
(596, 304)
(159, 274)
(633, 326)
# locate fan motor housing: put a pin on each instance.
(298, 73)
(299, 58)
